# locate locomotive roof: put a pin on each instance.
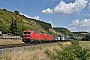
(35, 32)
(28, 31)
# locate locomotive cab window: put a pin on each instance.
(26, 32)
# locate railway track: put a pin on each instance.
(14, 45)
(24, 44)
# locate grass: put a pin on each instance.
(37, 52)
(34, 53)
(85, 44)
(10, 41)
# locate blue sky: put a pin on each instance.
(71, 14)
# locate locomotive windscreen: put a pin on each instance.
(26, 32)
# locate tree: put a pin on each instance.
(13, 27)
(4, 9)
(16, 12)
(88, 37)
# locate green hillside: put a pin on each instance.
(23, 22)
(45, 25)
(78, 35)
(64, 31)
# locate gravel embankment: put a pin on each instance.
(3, 51)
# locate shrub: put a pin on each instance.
(16, 12)
(4, 9)
(72, 52)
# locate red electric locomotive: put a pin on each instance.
(32, 36)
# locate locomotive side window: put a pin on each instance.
(26, 32)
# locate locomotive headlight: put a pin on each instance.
(28, 37)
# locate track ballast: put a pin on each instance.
(24, 44)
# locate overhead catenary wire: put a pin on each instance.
(5, 6)
(12, 4)
(17, 8)
(30, 6)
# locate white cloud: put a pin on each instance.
(73, 28)
(75, 22)
(89, 5)
(35, 17)
(85, 23)
(25, 15)
(70, 8)
(86, 14)
(80, 24)
(48, 10)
